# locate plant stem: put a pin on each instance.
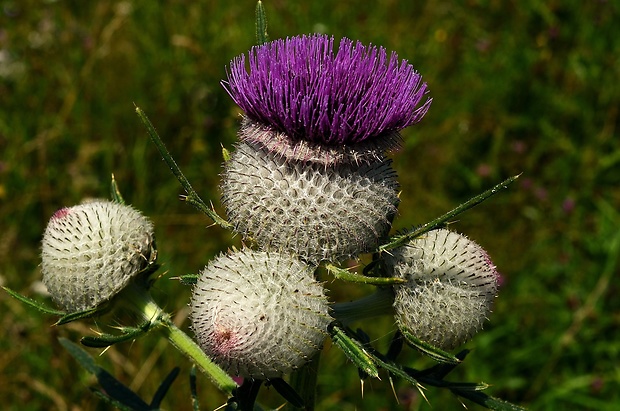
(304, 380)
(373, 305)
(143, 304)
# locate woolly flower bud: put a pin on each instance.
(258, 314)
(315, 212)
(452, 284)
(308, 102)
(91, 251)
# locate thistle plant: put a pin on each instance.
(308, 186)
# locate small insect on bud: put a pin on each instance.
(91, 251)
(450, 289)
(259, 314)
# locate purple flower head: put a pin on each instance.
(306, 100)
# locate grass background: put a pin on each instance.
(519, 87)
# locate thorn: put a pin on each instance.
(104, 350)
(388, 253)
(462, 403)
(362, 387)
(393, 389)
(420, 388)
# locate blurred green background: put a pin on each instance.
(519, 87)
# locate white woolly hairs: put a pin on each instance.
(450, 290)
(91, 251)
(259, 314)
(316, 212)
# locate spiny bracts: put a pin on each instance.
(93, 250)
(315, 212)
(258, 314)
(450, 290)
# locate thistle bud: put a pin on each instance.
(258, 314)
(92, 251)
(315, 212)
(450, 290)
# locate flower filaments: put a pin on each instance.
(306, 101)
(450, 290)
(92, 251)
(315, 212)
(259, 314)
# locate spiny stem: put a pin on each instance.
(354, 277)
(400, 240)
(192, 196)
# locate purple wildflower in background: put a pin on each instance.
(306, 101)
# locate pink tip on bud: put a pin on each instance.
(62, 213)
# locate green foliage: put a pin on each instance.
(518, 88)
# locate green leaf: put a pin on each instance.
(193, 389)
(109, 400)
(164, 387)
(115, 193)
(192, 196)
(354, 350)
(188, 279)
(287, 392)
(354, 277)
(245, 395)
(105, 340)
(261, 24)
(487, 401)
(430, 350)
(113, 388)
(81, 356)
(403, 239)
(79, 315)
(35, 304)
(440, 371)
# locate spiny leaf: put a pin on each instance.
(79, 315)
(105, 340)
(430, 350)
(32, 303)
(261, 24)
(115, 193)
(353, 350)
(164, 387)
(192, 196)
(188, 279)
(353, 277)
(113, 388)
(403, 239)
(487, 401)
(287, 392)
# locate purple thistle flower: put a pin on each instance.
(306, 101)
